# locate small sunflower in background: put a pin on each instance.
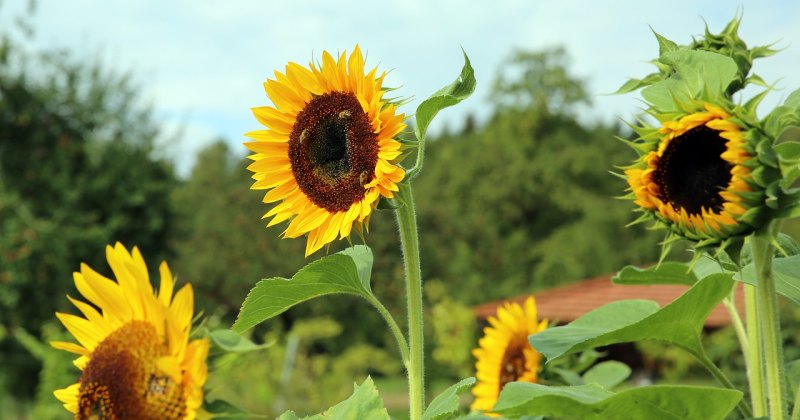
(329, 151)
(136, 358)
(707, 171)
(505, 354)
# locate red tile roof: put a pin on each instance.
(566, 303)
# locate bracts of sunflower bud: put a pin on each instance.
(707, 170)
(726, 43)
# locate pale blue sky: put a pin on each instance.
(201, 63)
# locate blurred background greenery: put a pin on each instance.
(511, 206)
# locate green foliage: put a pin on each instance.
(365, 403)
(345, 272)
(679, 323)
(594, 402)
(454, 327)
(607, 374)
(296, 372)
(538, 81)
(221, 245)
(787, 276)
(511, 203)
(697, 74)
(446, 405)
(78, 170)
(57, 370)
(664, 273)
(445, 97)
(229, 341)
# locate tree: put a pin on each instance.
(77, 171)
(527, 201)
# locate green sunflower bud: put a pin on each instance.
(709, 171)
(726, 43)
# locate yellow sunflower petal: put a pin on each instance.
(307, 188)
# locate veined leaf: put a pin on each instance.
(365, 403)
(786, 272)
(679, 323)
(232, 342)
(445, 405)
(344, 272)
(445, 97)
(607, 374)
(696, 71)
(593, 402)
(664, 273)
(223, 410)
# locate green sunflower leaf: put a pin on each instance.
(223, 410)
(625, 321)
(593, 402)
(786, 271)
(445, 97)
(793, 100)
(607, 374)
(664, 45)
(445, 406)
(664, 273)
(698, 74)
(345, 272)
(365, 403)
(231, 342)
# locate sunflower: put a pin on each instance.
(329, 150)
(136, 358)
(698, 176)
(709, 171)
(505, 355)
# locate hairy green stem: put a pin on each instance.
(743, 407)
(415, 170)
(409, 240)
(796, 409)
(396, 331)
(767, 300)
(736, 320)
(754, 356)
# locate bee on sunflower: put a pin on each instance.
(329, 151)
(707, 170)
(135, 355)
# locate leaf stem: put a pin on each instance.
(409, 240)
(743, 407)
(767, 301)
(415, 170)
(396, 331)
(736, 320)
(754, 356)
(796, 409)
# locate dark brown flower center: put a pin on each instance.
(691, 172)
(333, 150)
(122, 381)
(513, 363)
